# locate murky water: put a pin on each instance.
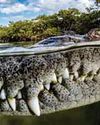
(86, 115)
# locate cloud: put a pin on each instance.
(48, 6)
(3, 1)
(15, 10)
(17, 7)
(56, 5)
(83, 4)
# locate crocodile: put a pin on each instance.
(47, 79)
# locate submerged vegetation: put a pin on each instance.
(45, 26)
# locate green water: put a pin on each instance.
(86, 115)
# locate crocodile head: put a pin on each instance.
(49, 79)
(94, 34)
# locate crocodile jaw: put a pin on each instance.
(70, 92)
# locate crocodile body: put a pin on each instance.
(49, 81)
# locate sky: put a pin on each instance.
(15, 10)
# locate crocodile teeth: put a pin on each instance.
(82, 78)
(19, 95)
(76, 74)
(60, 79)
(1, 83)
(3, 94)
(41, 87)
(54, 78)
(33, 104)
(66, 74)
(71, 77)
(47, 86)
(12, 103)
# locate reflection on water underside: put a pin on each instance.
(86, 115)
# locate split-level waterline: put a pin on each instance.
(49, 79)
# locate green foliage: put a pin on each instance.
(4, 36)
(87, 21)
(46, 26)
(51, 32)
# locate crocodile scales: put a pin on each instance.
(41, 81)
